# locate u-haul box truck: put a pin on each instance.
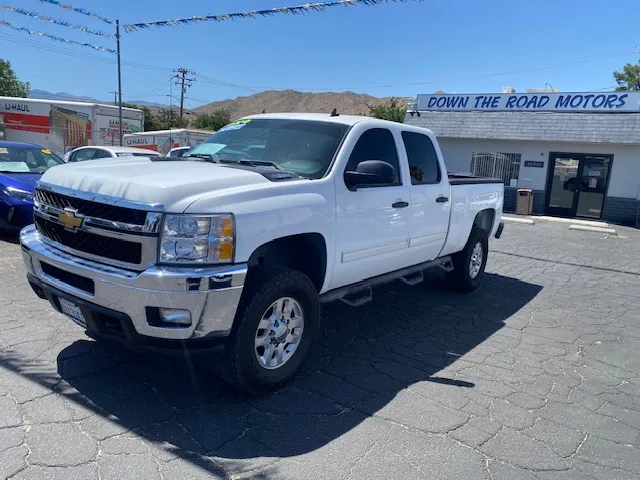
(62, 126)
(164, 140)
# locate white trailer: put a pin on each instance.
(164, 140)
(62, 126)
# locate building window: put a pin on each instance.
(505, 166)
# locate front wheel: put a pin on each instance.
(469, 264)
(278, 324)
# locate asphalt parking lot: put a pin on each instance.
(534, 376)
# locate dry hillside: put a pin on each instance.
(347, 103)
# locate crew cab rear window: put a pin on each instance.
(423, 161)
(375, 144)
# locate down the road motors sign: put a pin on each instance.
(533, 102)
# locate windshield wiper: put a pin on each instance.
(255, 163)
(204, 156)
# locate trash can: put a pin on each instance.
(524, 202)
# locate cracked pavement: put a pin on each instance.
(535, 376)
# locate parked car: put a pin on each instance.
(224, 252)
(82, 154)
(178, 152)
(21, 166)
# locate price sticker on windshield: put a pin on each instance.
(593, 182)
(45, 151)
(237, 125)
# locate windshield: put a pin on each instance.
(27, 160)
(300, 146)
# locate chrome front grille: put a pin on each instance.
(99, 228)
(96, 245)
(91, 209)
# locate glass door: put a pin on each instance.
(562, 192)
(577, 184)
(594, 173)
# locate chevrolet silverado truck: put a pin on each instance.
(233, 248)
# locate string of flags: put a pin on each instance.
(296, 10)
(62, 23)
(54, 38)
(81, 11)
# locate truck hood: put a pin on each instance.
(142, 180)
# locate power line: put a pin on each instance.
(614, 53)
(55, 38)
(77, 54)
(604, 89)
(221, 83)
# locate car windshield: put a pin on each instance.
(303, 147)
(27, 160)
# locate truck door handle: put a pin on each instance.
(400, 205)
(442, 199)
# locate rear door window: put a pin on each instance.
(422, 157)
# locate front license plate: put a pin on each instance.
(72, 311)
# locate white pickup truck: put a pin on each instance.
(235, 246)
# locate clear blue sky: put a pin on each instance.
(452, 45)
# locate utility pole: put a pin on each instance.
(119, 80)
(183, 81)
(115, 97)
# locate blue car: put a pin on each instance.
(21, 166)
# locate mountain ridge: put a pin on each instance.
(271, 101)
(278, 101)
(67, 97)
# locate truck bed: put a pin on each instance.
(468, 179)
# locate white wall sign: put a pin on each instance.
(532, 102)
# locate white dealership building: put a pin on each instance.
(578, 152)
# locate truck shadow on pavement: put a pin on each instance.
(393, 359)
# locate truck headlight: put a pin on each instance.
(197, 239)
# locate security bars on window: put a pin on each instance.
(505, 166)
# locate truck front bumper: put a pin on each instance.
(125, 305)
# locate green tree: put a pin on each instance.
(393, 109)
(170, 118)
(629, 79)
(163, 120)
(212, 121)
(10, 86)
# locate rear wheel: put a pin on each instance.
(277, 325)
(469, 264)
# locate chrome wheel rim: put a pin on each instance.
(476, 260)
(279, 333)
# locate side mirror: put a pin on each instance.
(370, 173)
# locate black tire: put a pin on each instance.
(265, 286)
(460, 278)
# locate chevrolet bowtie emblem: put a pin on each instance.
(69, 220)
